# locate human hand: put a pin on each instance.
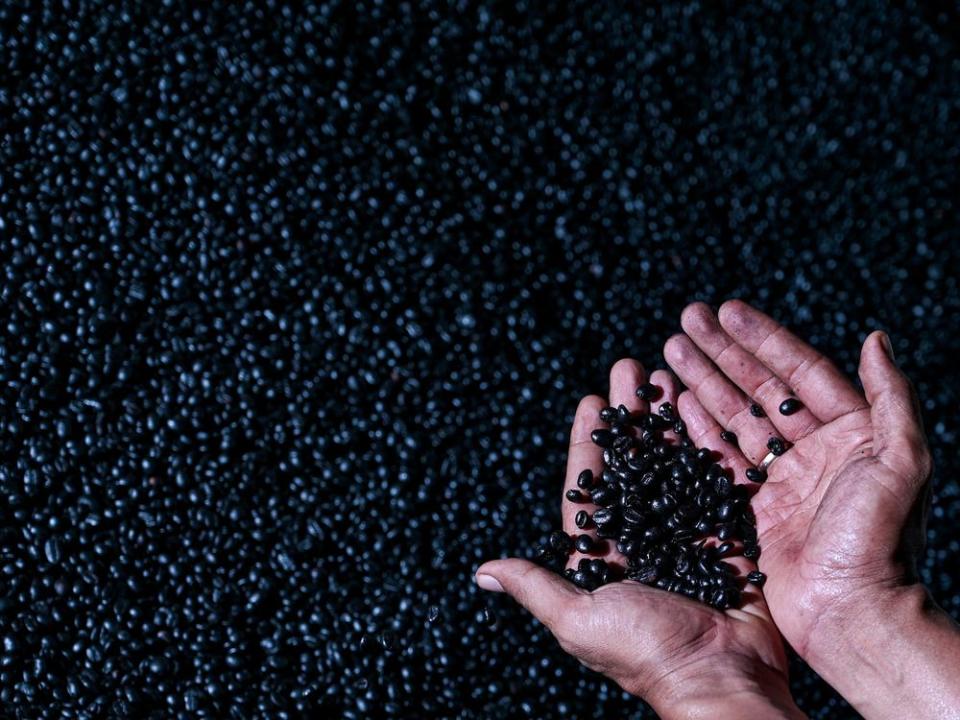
(685, 658)
(841, 516)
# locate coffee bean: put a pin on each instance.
(790, 406)
(583, 543)
(575, 496)
(729, 437)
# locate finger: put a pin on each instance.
(582, 455)
(816, 381)
(705, 432)
(722, 399)
(548, 596)
(625, 377)
(898, 438)
(749, 374)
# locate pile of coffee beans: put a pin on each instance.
(660, 500)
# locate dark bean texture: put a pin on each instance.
(297, 302)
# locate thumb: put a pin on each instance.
(898, 438)
(545, 594)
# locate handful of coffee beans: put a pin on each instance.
(660, 500)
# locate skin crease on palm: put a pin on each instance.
(839, 518)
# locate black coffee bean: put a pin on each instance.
(575, 496)
(648, 392)
(602, 516)
(729, 437)
(582, 519)
(756, 475)
(583, 543)
(603, 438)
(790, 406)
(724, 548)
(666, 411)
(751, 551)
(776, 446)
(608, 414)
(757, 411)
(585, 479)
(756, 577)
(604, 495)
(584, 580)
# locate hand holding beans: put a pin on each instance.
(841, 515)
(682, 656)
(840, 518)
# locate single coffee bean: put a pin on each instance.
(583, 543)
(582, 519)
(756, 577)
(602, 516)
(724, 548)
(648, 392)
(790, 406)
(603, 438)
(776, 446)
(585, 479)
(608, 414)
(575, 496)
(757, 411)
(729, 437)
(756, 475)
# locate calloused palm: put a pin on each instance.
(832, 514)
(662, 646)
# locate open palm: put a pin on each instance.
(663, 646)
(832, 513)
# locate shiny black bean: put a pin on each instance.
(603, 438)
(602, 516)
(757, 411)
(724, 548)
(604, 495)
(608, 414)
(575, 496)
(756, 475)
(648, 392)
(756, 577)
(790, 406)
(583, 543)
(582, 519)
(776, 446)
(729, 436)
(751, 551)
(585, 479)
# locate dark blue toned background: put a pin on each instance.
(297, 302)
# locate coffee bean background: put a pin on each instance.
(297, 302)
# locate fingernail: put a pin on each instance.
(489, 582)
(885, 340)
